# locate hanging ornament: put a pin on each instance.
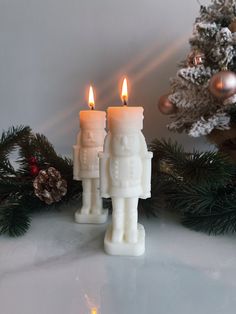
(49, 186)
(223, 84)
(195, 58)
(232, 26)
(166, 106)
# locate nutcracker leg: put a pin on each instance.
(96, 198)
(131, 220)
(86, 196)
(130, 241)
(117, 219)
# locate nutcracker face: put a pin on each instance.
(125, 144)
(92, 138)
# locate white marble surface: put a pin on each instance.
(59, 267)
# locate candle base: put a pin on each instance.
(124, 248)
(91, 218)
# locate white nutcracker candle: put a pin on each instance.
(86, 163)
(125, 176)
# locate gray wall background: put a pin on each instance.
(51, 50)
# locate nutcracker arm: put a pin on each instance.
(146, 175)
(104, 159)
(76, 153)
(147, 168)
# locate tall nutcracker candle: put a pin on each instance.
(86, 163)
(125, 176)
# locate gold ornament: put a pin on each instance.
(166, 106)
(223, 84)
(49, 186)
(232, 26)
(195, 58)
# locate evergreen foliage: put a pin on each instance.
(17, 198)
(200, 187)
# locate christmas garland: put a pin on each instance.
(199, 187)
(42, 179)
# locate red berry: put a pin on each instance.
(32, 160)
(34, 170)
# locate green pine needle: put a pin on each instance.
(198, 186)
(169, 151)
(196, 167)
(210, 168)
(14, 220)
(8, 142)
(17, 197)
(11, 138)
(214, 223)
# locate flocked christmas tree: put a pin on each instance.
(202, 100)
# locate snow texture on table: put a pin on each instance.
(59, 267)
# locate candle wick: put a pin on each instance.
(125, 102)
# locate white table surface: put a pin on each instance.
(59, 267)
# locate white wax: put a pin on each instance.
(86, 165)
(125, 176)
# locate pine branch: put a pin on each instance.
(194, 199)
(14, 219)
(203, 208)
(209, 168)
(47, 157)
(10, 138)
(162, 184)
(8, 142)
(198, 186)
(214, 223)
(6, 167)
(17, 197)
(169, 151)
(39, 147)
(11, 185)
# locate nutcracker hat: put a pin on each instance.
(125, 118)
(92, 119)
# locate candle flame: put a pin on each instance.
(94, 310)
(91, 102)
(124, 93)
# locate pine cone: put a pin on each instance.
(49, 186)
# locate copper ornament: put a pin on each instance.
(195, 58)
(166, 106)
(232, 26)
(223, 84)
